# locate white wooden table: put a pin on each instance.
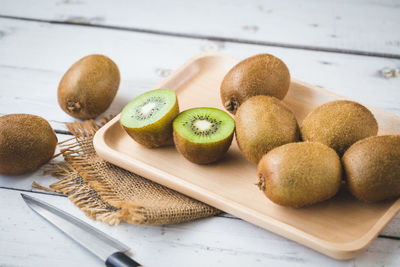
(339, 45)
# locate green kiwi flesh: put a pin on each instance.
(203, 135)
(372, 168)
(26, 142)
(263, 123)
(339, 124)
(88, 87)
(148, 118)
(300, 174)
(262, 74)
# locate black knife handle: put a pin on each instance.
(119, 259)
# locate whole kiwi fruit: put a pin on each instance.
(372, 168)
(263, 123)
(26, 142)
(300, 174)
(262, 74)
(339, 124)
(88, 87)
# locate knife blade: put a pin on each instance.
(102, 245)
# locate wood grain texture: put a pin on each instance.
(26, 239)
(32, 64)
(230, 184)
(33, 57)
(344, 25)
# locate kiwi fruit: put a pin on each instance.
(372, 168)
(339, 124)
(203, 135)
(26, 142)
(300, 174)
(148, 118)
(262, 74)
(263, 123)
(88, 87)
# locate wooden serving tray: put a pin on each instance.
(341, 227)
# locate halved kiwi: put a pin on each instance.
(203, 135)
(148, 118)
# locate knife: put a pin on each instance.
(103, 246)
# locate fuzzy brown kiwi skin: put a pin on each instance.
(158, 134)
(26, 142)
(202, 153)
(262, 74)
(300, 174)
(88, 87)
(372, 168)
(339, 124)
(263, 123)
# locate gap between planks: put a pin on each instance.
(206, 37)
(58, 131)
(62, 132)
(31, 191)
(222, 215)
(211, 37)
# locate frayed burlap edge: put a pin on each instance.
(92, 194)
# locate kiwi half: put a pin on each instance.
(148, 118)
(203, 135)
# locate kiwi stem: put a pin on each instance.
(231, 105)
(261, 183)
(73, 106)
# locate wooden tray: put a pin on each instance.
(341, 227)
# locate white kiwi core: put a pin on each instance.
(202, 124)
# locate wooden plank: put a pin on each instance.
(24, 182)
(230, 184)
(30, 77)
(27, 239)
(359, 25)
(32, 64)
(219, 239)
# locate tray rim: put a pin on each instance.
(337, 250)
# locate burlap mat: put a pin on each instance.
(110, 194)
